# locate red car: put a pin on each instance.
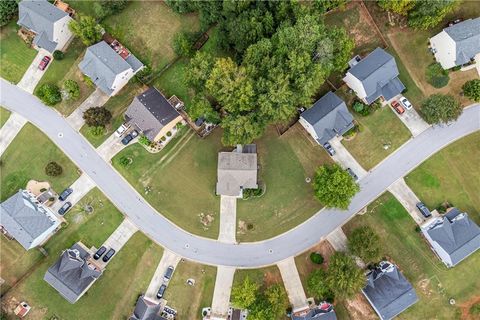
(398, 107)
(44, 63)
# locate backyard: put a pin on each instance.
(4, 115)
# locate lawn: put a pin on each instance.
(264, 277)
(285, 162)
(179, 181)
(451, 175)
(189, 300)
(26, 158)
(4, 115)
(434, 283)
(15, 54)
(377, 130)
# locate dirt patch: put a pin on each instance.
(424, 286)
(272, 277)
(10, 303)
(206, 220)
(325, 249)
(465, 307)
(359, 308)
(242, 227)
(35, 186)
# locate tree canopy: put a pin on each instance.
(72, 89)
(87, 29)
(8, 9)
(49, 93)
(244, 294)
(440, 108)
(317, 284)
(344, 278)
(471, 89)
(334, 186)
(364, 243)
(105, 8)
(97, 117)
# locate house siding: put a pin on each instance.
(444, 49)
(309, 128)
(168, 127)
(61, 34)
(356, 85)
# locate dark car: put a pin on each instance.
(129, 137)
(168, 274)
(66, 206)
(350, 172)
(423, 209)
(329, 148)
(99, 253)
(65, 193)
(108, 255)
(161, 291)
(44, 63)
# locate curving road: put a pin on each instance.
(208, 251)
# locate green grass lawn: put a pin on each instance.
(434, 283)
(377, 129)
(83, 7)
(264, 276)
(26, 158)
(15, 54)
(452, 175)
(4, 115)
(189, 300)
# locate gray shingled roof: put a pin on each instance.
(317, 314)
(71, 275)
(466, 35)
(23, 219)
(329, 117)
(150, 112)
(146, 310)
(457, 234)
(388, 291)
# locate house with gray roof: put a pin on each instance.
(146, 310)
(73, 273)
(458, 44)
(25, 218)
(452, 237)
(323, 311)
(237, 170)
(109, 66)
(47, 22)
(388, 291)
(152, 114)
(327, 118)
(375, 76)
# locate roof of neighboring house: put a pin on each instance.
(237, 170)
(102, 64)
(150, 112)
(378, 73)
(457, 234)
(72, 273)
(466, 35)
(324, 311)
(146, 310)
(388, 291)
(329, 117)
(24, 219)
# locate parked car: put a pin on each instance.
(99, 253)
(108, 255)
(168, 274)
(66, 206)
(397, 107)
(350, 172)
(423, 209)
(161, 291)
(404, 101)
(129, 137)
(44, 63)
(329, 148)
(121, 130)
(65, 193)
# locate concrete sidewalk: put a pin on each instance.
(408, 199)
(228, 219)
(80, 188)
(345, 159)
(10, 130)
(119, 237)
(96, 99)
(113, 145)
(293, 284)
(33, 75)
(168, 259)
(221, 293)
(338, 240)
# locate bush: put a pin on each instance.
(436, 76)
(58, 55)
(250, 193)
(169, 134)
(144, 140)
(475, 309)
(124, 161)
(361, 108)
(316, 258)
(471, 89)
(163, 138)
(72, 89)
(97, 131)
(439, 108)
(97, 117)
(144, 75)
(53, 169)
(49, 94)
(43, 189)
(88, 81)
(87, 29)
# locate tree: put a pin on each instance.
(440, 108)
(436, 76)
(87, 29)
(105, 8)
(326, 5)
(72, 89)
(317, 284)
(144, 75)
(53, 169)
(49, 94)
(364, 243)
(344, 278)
(471, 89)
(401, 7)
(240, 129)
(277, 300)
(183, 43)
(8, 9)
(199, 70)
(201, 107)
(244, 294)
(427, 14)
(334, 187)
(97, 117)
(58, 54)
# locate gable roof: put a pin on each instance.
(25, 219)
(388, 291)
(324, 311)
(466, 35)
(150, 112)
(146, 310)
(329, 117)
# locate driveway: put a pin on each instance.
(338, 240)
(412, 120)
(111, 147)
(221, 292)
(10, 129)
(228, 219)
(33, 75)
(345, 159)
(119, 237)
(96, 99)
(80, 188)
(293, 284)
(407, 198)
(168, 259)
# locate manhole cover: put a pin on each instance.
(60, 134)
(270, 251)
(187, 245)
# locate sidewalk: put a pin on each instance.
(10, 130)
(293, 285)
(228, 219)
(168, 259)
(96, 99)
(118, 238)
(345, 159)
(338, 240)
(221, 293)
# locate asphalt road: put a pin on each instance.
(212, 252)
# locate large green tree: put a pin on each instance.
(440, 108)
(334, 186)
(364, 243)
(471, 89)
(201, 107)
(317, 284)
(97, 117)
(398, 6)
(198, 71)
(49, 93)
(427, 14)
(72, 89)
(244, 294)
(87, 29)
(105, 8)
(241, 129)
(344, 278)
(8, 9)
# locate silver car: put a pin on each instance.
(404, 101)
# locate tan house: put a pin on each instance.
(152, 114)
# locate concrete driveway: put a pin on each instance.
(412, 120)
(96, 99)
(168, 259)
(407, 198)
(10, 129)
(113, 145)
(293, 284)
(345, 159)
(33, 75)
(119, 237)
(221, 292)
(80, 188)
(228, 219)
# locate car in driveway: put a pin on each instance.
(328, 147)
(44, 63)
(168, 274)
(350, 172)
(99, 253)
(129, 137)
(161, 291)
(404, 101)
(108, 255)
(423, 210)
(121, 130)
(397, 107)
(66, 206)
(65, 194)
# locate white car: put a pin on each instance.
(121, 130)
(404, 101)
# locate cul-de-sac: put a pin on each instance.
(240, 159)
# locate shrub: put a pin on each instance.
(144, 75)
(97, 116)
(58, 55)
(88, 81)
(51, 199)
(456, 68)
(163, 138)
(72, 89)
(361, 108)
(144, 140)
(249, 226)
(183, 43)
(43, 189)
(53, 169)
(250, 193)
(475, 309)
(97, 131)
(471, 89)
(436, 76)
(49, 94)
(316, 258)
(169, 134)
(124, 161)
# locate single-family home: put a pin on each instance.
(327, 118)
(375, 76)
(388, 291)
(152, 114)
(452, 237)
(26, 219)
(322, 311)
(237, 170)
(146, 310)
(458, 44)
(110, 66)
(73, 273)
(48, 23)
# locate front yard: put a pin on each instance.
(4, 115)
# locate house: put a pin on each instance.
(452, 237)
(146, 310)
(48, 23)
(73, 273)
(324, 311)
(24, 218)
(152, 114)
(388, 291)
(458, 44)
(237, 170)
(375, 76)
(109, 66)
(327, 118)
